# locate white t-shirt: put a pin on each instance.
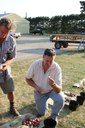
(36, 73)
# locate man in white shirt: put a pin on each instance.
(45, 76)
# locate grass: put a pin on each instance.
(73, 70)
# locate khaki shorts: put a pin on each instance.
(7, 86)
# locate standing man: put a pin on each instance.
(45, 76)
(7, 53)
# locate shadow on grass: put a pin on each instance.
(40, 51)
(32, 51)
(31, 108)
(7, 117)
(65, 111)
(69, 52)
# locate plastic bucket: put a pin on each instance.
(73, 105)
(80, 100)
(49, 123)
(82, 94)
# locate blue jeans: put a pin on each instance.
(42, 106)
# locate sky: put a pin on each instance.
(35, 8)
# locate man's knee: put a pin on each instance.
(60, 99)
(42, 111)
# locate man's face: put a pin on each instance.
(3, 32)
(47, 60)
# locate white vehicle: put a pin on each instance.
(15, 34)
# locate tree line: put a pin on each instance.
(70, 24)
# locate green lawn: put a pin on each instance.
(73, 70)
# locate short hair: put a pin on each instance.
(7, 23)
(50, 52)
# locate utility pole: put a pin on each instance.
(26, 15)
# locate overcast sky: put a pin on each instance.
(35, 8)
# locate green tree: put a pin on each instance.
(55, 24)
(38, 22)
(82, 8)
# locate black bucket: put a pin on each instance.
(82, 94)
(80, 100)
(73, 105)
(49, 123)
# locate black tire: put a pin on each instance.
(65, 45)
(57, 45)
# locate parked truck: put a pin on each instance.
(64, 39)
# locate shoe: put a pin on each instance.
(12, 110)
(55, 120)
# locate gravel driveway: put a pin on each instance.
(33, 46)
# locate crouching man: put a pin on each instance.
(45, 76)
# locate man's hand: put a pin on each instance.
(4, 66)
(39, 90)
(55, 86)
(50, 81)
(32, 83)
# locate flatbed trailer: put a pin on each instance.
(64, 39)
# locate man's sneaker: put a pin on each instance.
(14, 112)
(56, 121)
(53, 119)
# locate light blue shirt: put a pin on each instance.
(9, 43)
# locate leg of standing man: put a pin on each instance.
(12, 109)
(8, 88)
